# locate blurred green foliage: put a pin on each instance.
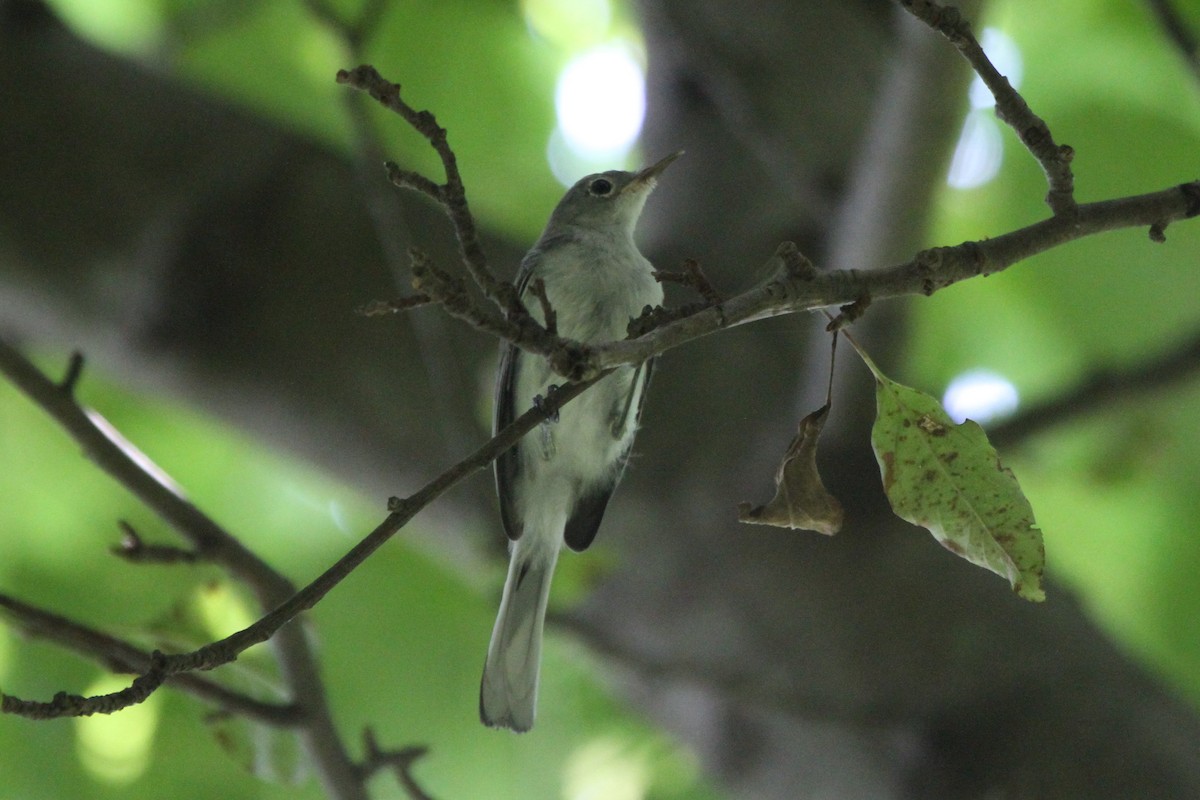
(401, 641)
(1114, 491)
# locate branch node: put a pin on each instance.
(572, 360)
(849, 313)
(407, 179)
(693, 277)
(1158, 232)
(135, 551)
(380, 308)
(72, 375)
(402, 761)
(795, 264)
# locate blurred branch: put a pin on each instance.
(133, 549)
(1178, 32)
(399, 761)
(354, 33)
(1102, 390)
(119, 655)
(1011, 108)
(211, 542)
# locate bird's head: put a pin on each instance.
(612, 199)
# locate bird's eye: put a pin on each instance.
(600, 187)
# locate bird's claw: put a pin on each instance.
(539, 402)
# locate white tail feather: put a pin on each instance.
(508, 692)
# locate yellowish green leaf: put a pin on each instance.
(947, 477)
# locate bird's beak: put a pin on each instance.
(650, 174)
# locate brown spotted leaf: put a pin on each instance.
(947, 478)
(801, 500)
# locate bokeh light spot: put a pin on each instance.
(116, 748)
(127, 26)
(606, 769)
(980, 395)
(978, 154)
(601, 101)
(980, 149)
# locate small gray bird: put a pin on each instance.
(555, 483)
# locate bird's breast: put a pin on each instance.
(596, 287)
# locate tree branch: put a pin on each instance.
(927, 272)
(1011, 108)
(1178, 32)
(119, 655)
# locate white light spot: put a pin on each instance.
(606, 769)
(980, 395)
(978, 154)
(980, 150)
(601, 101)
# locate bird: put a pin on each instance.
(555, 483)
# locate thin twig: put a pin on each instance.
(72, 374)
(693, 277)
(119, 655)
(452, 194)
(1032, 130)
(450, 292)
(379, 308)
(399, 761)
(133, 549)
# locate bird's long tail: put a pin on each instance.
(508, 692)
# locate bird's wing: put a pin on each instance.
(507, 463)
(589, 510)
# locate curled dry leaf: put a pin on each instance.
(801, 500)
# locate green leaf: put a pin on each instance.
(948, 478)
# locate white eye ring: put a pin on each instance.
(600, 187)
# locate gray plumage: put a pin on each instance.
(555, 483)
